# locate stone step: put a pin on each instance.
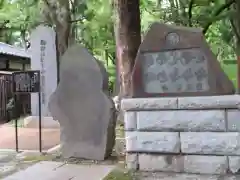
(47, 170)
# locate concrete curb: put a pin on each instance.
(22, 152)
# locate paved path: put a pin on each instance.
(48, 170)
(7, 163)
(28, 138)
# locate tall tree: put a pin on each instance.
(128, 39)
(235, 22)
(57, 13)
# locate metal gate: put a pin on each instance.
(7, 99)
(6, 94)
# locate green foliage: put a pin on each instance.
(17, 19)
(94, 23)
(119, 175)
(231, 71)
(220, 38)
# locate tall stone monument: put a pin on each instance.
(43, 58)
(177, 62)
(85, 112)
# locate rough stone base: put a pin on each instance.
(91, 152)
(47, 122)
(183, 176)
(194, 138)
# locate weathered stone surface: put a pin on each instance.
(205, 164)
(7, 169)
(163, 163)
(120, 146)
(220, 143)
(181, 120)
(149, 103)
(3, 156)
(183, 176)
(104, 74)
(189, 163)
(177, 62)
(85, 113)
(234, 164)
(209, 102)
(230, 177)
(47, 122)
(47, 170)
(203, 102)
(132, 161)
(116, 100)
(233, 120)
(167, 142)
(43, 58)
(130, 120)
(37, 171)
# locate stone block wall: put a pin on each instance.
(195, 135)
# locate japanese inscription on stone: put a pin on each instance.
(175, 71)
(177, 62)
(42, 56)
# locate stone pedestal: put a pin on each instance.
(191, 135)
(47, 122)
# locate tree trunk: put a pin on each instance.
(238, 66)
(128, 39)
(57, 14)
(73, 30)
(236, 28)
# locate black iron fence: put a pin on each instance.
(26, 82)
(7, 99)
(5, 95)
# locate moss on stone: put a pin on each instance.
(37, 158)
(119, 175)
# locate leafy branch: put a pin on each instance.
(217, 13)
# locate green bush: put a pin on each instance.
(231, 71)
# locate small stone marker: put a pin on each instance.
(86, 114)
(177, 62)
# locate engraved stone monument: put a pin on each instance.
(177, 62)
(43, 58)
(85, 112)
